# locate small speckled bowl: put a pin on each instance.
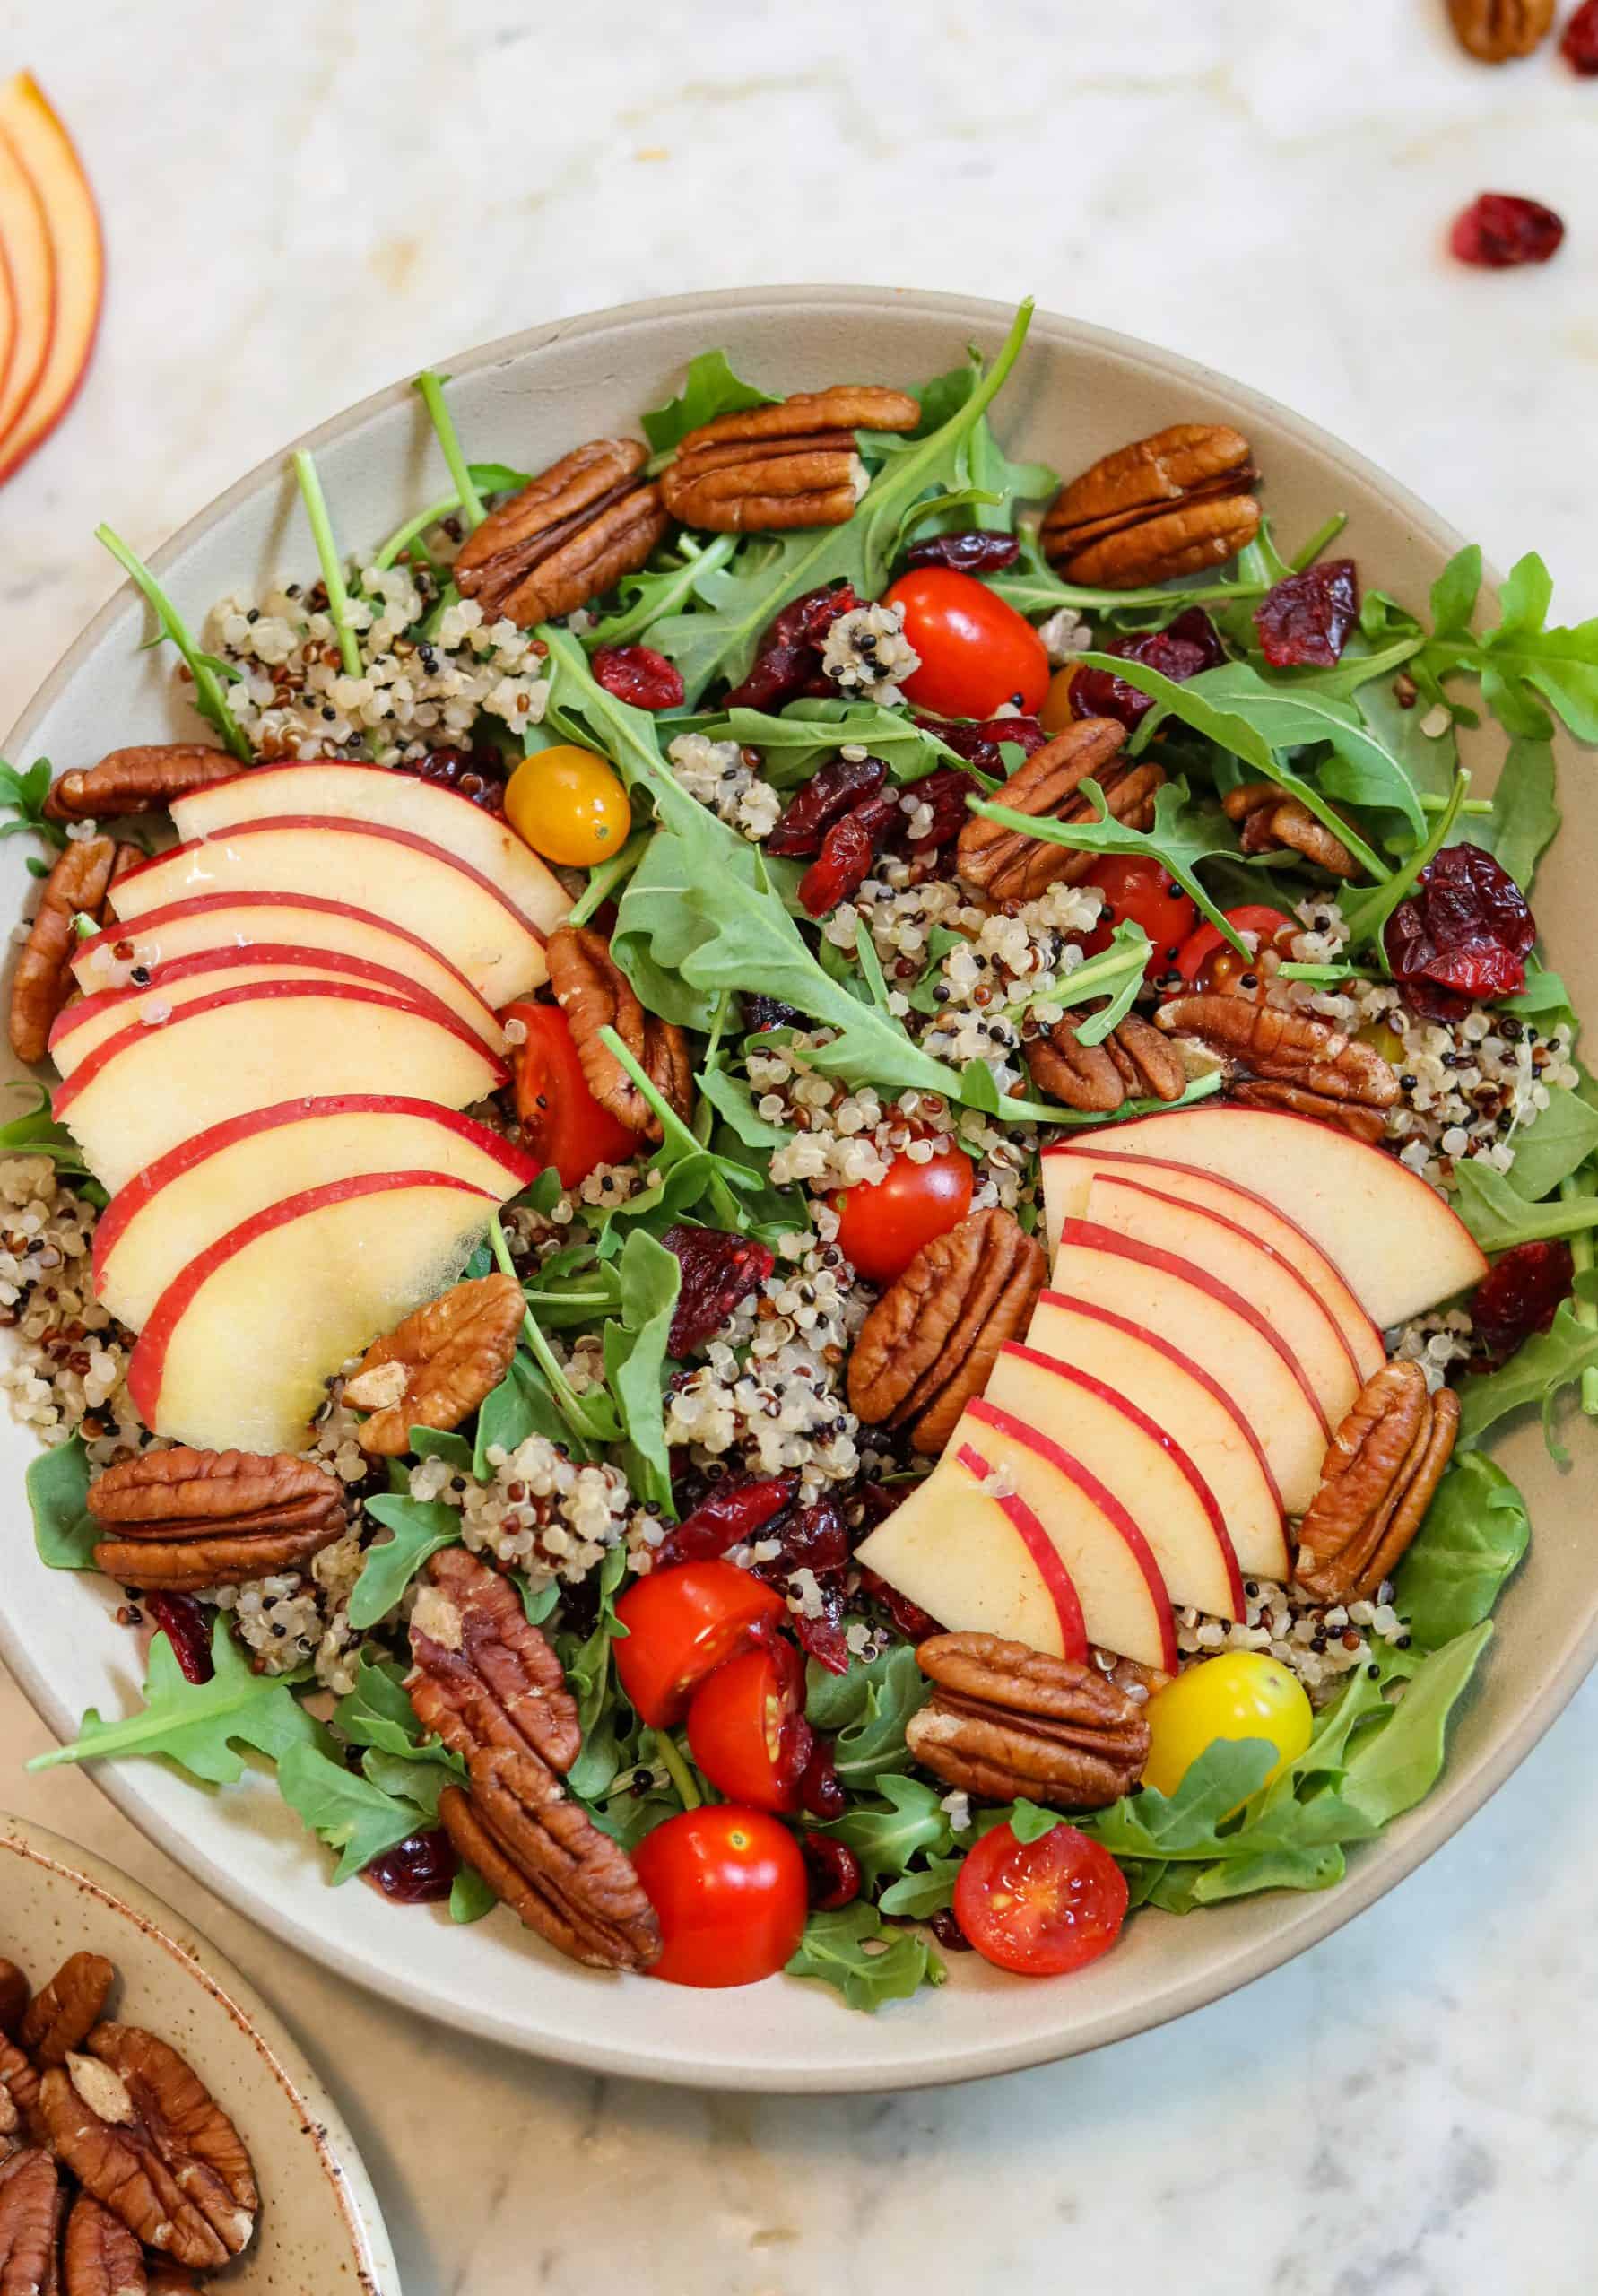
(320, 2227)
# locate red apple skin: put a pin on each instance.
(30, 271)
(147, 1365)
(1051, 1570)
(72, 219)
(1156, 1434)
(1073, 1471)
(520, 1168)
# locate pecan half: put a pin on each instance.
(142, 2132)
(14, 1990)
(1005, 1720)
(68, 2008)
(42, 981)
(541, 1854)
(1133, 1062)
(434, 1368)
(10, 2125)
(1170, 504)
(139, 781)
(1278, 1058)
(99, 2256)
(1008, 865)
(1494, 31)
(1273, 824)
(594, 993)
(483, 1677)
(570, 535)
(797, 463)
(20, 2083)
(929, 1344)
(179, 1520)
(1385, 1461)
(172, 2280)
(32, 2202)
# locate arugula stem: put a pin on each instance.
(1378, 901)
(432, 386)
(664, 595)
(1307, 552)
(605, 878)
(1586, 1310)
(1431, 804)
(677, 1769)
(407, 533)
(332, 565)
(210, 697)
(670, 1124)
(568, 1401)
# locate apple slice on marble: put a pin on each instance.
(240, 1346)
(26, 286)
(178, 1207)
(63, 303)
(337, 789)
(304, 921)
(427, 892)
(1190, 1403)
(154, 1086)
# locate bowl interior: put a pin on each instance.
(1076, 392)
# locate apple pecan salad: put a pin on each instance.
(121, 2175)
(775, 1202)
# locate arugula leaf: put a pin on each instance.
(436, 1443)
(1526, 813)
(1148, 1824)
(1537, 1373)
(1521, 662)
(712, 389)
(1394, 1767)
(36, 1133)
(65, 1533)
(867, 1962)
(1183, 834)
(199, 1725)
(519, 1406)
(419, 1528)
(409, 1778)
(731, 1098)
(210, 675)
(655, 931)
(470, 1897)
(1366, 909)
(588, 1674)
(1361, 771)
(917, 1896)
(665, 590)
(634, 1360)
(342, 1809)
(376, 1714)
(794, 744)
(1474, 1534)
(866, 1711)
(1499, 1215)
(886, 1834)
(24, 794)
(1558, 1141)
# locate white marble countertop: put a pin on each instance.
(305, 202)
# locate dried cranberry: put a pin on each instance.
(847, 851)
(1579, 46)
(976, 552)
(761, 1013)
(1190, 644)
(186, 1626)
(835, 790)
(1462, 937)
(477, 774)
(1519, 1294)
(820, 1790)
(977, 739)
(834, 1873)
(639, 674)
(945, 790)
(949, 1932)
(821, 1634)
(718, 1270)
(787, 660)
(1501, 230)
(731, 1514)
(418, 1871)
(878, 1500)
(1305, 622)
(912, 1622)
(815, 1538)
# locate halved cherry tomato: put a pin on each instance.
(1042, 1906)
(730, 1892)
(883, 1223)
(1140, 892)
(562, 1122)
(747, 1730)
(681, 1623)
(569, 806)
(1207, 960)
(976, 652)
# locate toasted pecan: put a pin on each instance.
(1167, 505)
(42, 981)
(141, 779)
(1005, 1720)
(183, 1519)
(99, 2256)
(770, 468)
(445, 1358)
(1273, 822)
(67, 2008)
(483, 1674)
(594, 993)
(569, 535)
(1010, 865)
(1495, 31)
(1272, 1049)
(1381, 1472)
(32, 2203)
(1134, 1061)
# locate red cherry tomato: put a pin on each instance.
(883, 1223)
(1207, 960)
(747, 1730)
(730, 1891)
(1042, 1906)
(976, 652)
(1139, 893)
(681, 1623)
(562, 1122)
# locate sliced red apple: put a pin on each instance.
(1125, 1605)
(213, 921)
(90, 1021)
(1159, 1291)
(177, 1208)
(1141, 1463)
(1398, 1245)
(1302, 1326)
(1187, 1401)
(153, 1085)
(240, 1346)
(1250, 1211)
(31, 275)
(335, 789)
(41, 144)
(977, 1559)
(455, 910)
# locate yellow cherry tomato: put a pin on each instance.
(1055, 713)
(568, 805)
(1240, 1694)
